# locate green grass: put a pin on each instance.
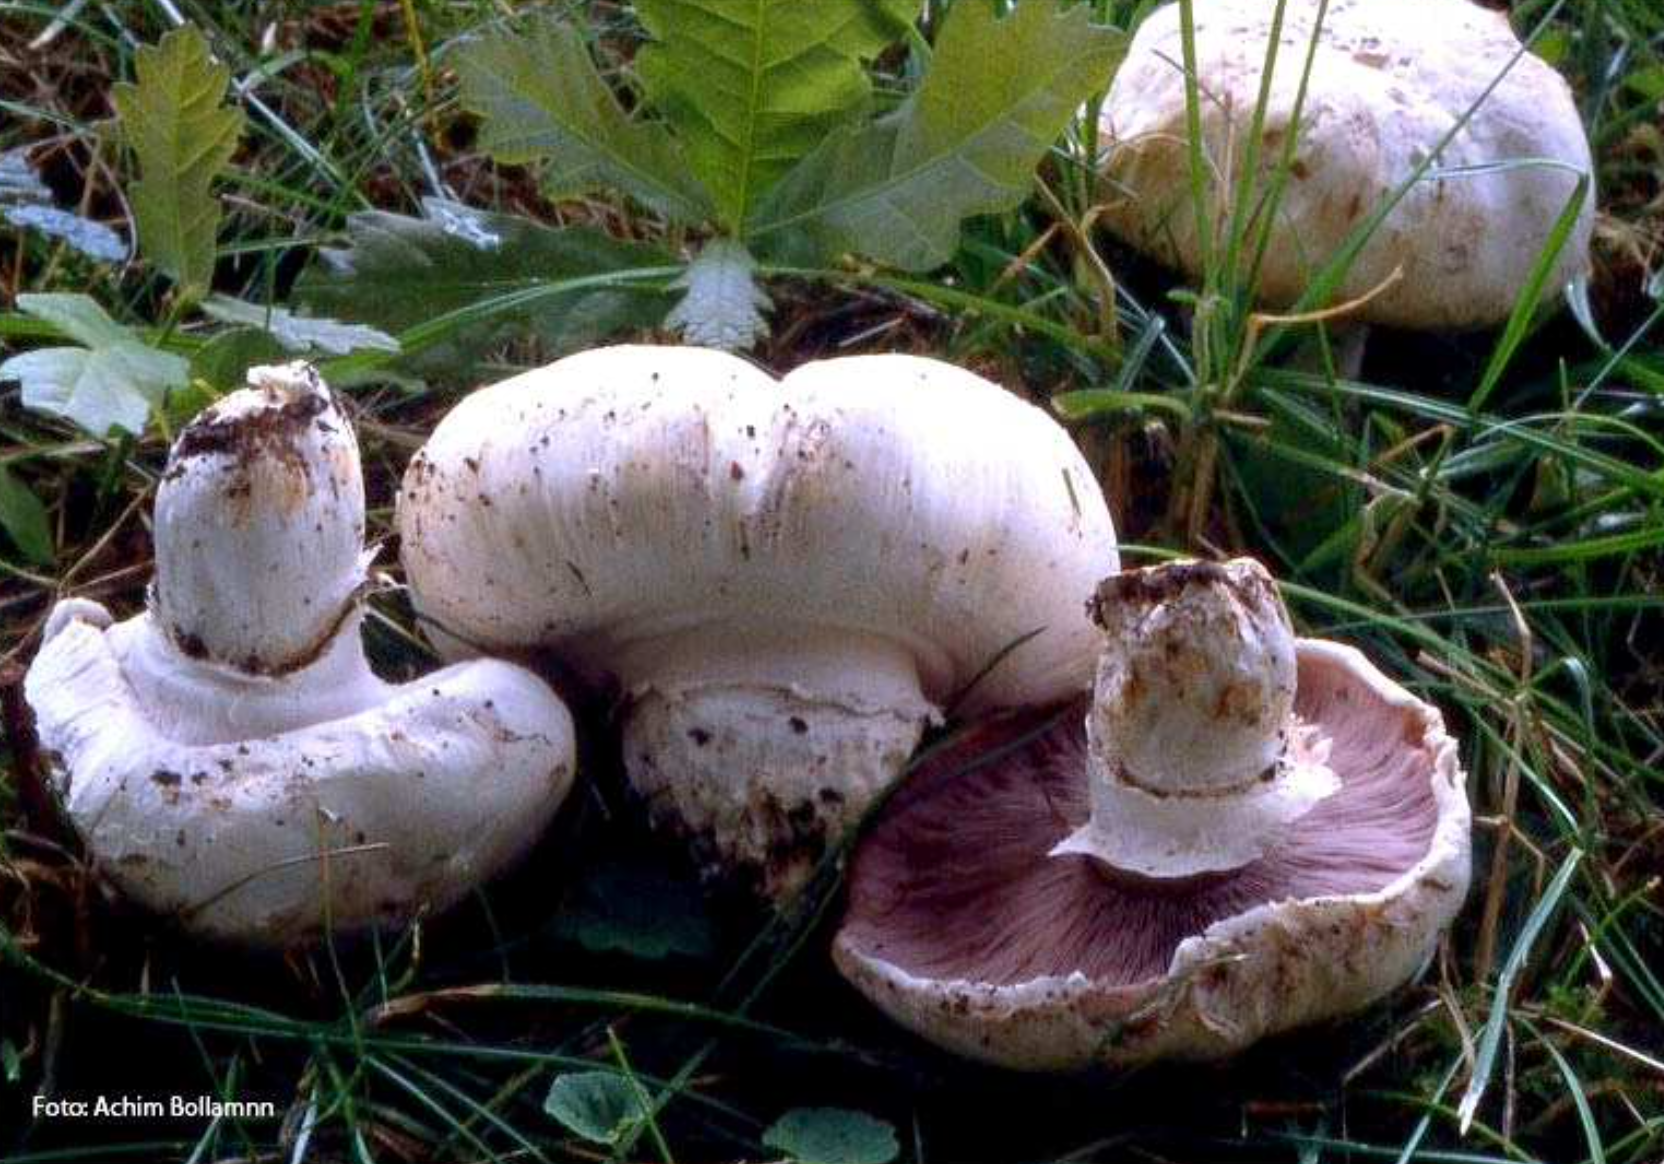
(1484, 516)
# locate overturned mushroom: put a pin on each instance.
(1240, 834)
(1388, 81)
(786, 579)
(228, 757)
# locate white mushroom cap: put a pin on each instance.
(1388, 81)
(1196, 758)
(269, 803)
(346, 822)
(786, 578)
(963, 928)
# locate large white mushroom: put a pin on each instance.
(228, 757)
(1388, 81)
(1240, 833)
(786, 580)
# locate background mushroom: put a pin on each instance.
(785, 579)
(228, 757)
(1241, 834)
(1388, 81)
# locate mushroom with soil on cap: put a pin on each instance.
(1388, 82)
(786, 579)
(228, 757)
(1240, 833)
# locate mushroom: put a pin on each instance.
(1239, 833)
(786, 580)
(1388, 81)
(228, 757)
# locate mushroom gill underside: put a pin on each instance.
(955, 882)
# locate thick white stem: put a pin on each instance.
(1195, 759)
(764, 747)
(259, 525)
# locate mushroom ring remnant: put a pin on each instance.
(1389, 79)
(228, 757)
(1016, 904)
(785, 579)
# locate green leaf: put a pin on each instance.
(400, 271)
(601, 1106)
(1531, 294)
(175, 122)
(998, 94)
(832, 1135)
(751, 86)
(300, 333)
(1490, 1038)
(99, 389)
(93, 239)
(18, 180)
(112, 382)
(76, 317)
(1647, 82)
(643, 912)
(540, 99)
(224, 361)
(26, 202)
(722, 306)
(23, 517)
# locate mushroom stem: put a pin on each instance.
(259, 526)
(1196, 761)
(742, 737)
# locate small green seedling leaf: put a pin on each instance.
(300, 333)
(399, 272)
(23, 517)
(751, 86)
(602, 1107)
(176, 123)
(112, 382)
(722, 306)
(541, 100)
(832, 1135)
(999, 92)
